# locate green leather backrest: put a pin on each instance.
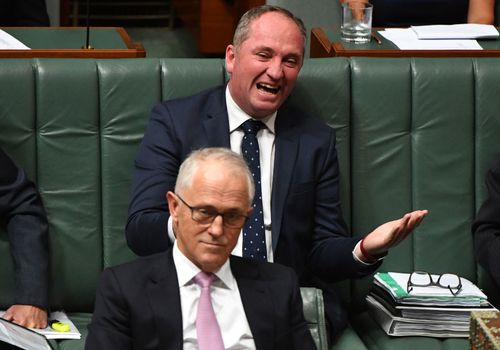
(314, 315)
(75, 126)
(423, 133)
(412, 133)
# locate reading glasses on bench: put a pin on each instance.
(448, 281)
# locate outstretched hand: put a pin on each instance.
(27, 315)
(390, 234)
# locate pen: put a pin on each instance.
(377, 39)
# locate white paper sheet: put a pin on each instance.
(406, 39)
(456, 31)
(8, 42)
(49, 333)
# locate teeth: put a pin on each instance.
(268, 88)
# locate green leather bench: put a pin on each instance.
(412, 133)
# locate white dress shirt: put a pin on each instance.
(226, 301)
(265, 137)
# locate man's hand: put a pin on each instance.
(27, 315)
(389, 235)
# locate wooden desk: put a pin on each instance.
(326, 43)
(67, 42)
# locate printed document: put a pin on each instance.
(456, 31)
(31, 338)
(8, 42)
(406, 39)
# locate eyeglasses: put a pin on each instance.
(207, 215)
(424, 279)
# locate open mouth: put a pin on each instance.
(268, 88)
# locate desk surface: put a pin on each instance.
(67, 42)
(326, 42)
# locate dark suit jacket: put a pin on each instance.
(308, 230)
(23, 216)
(486, 227)
(138, 306)
(23, 13)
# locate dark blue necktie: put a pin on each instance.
(254, 238)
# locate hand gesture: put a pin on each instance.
(388, 235)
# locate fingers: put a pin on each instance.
(416, 218)
(27, 316)
(406, 226)
(8, 315)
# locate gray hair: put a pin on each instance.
(243, 28)
(225, 156)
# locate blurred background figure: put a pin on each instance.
(404, 13)
(23, 13)
(486, 227)
(23, 217)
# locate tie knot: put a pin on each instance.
(204, 279)
(252, 126)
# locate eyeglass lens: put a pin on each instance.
(424, 279)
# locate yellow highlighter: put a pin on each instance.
(59, 326)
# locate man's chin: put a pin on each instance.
(211, 264)
(265, 108)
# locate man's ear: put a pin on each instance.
(230, 57)
(173, 204)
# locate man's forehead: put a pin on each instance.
(268, 28)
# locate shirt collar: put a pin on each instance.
(237, 116)
(186, 270)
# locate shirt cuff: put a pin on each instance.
(361, 262)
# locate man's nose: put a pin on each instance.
(216, 228)
(275, 69)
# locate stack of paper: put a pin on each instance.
(36, 339)
(426, 311)
(440, 37)
(456, 31)
(8, 42)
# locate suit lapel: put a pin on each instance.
(216, 122)
(256, 302)
(164, 299)
(287, 146)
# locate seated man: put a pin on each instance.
(292, 155)
(486, 227)
(162, 301)
(23, 216)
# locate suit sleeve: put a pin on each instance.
(24, 218)
(156, 168)
(110, 326)
(331, 256)
(486, 228)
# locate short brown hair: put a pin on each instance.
(243, 28)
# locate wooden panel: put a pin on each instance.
(217, 24)
(121, 47)
(327, 43)
(212, 21)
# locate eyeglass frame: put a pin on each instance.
(212, 217)
(410, 284)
